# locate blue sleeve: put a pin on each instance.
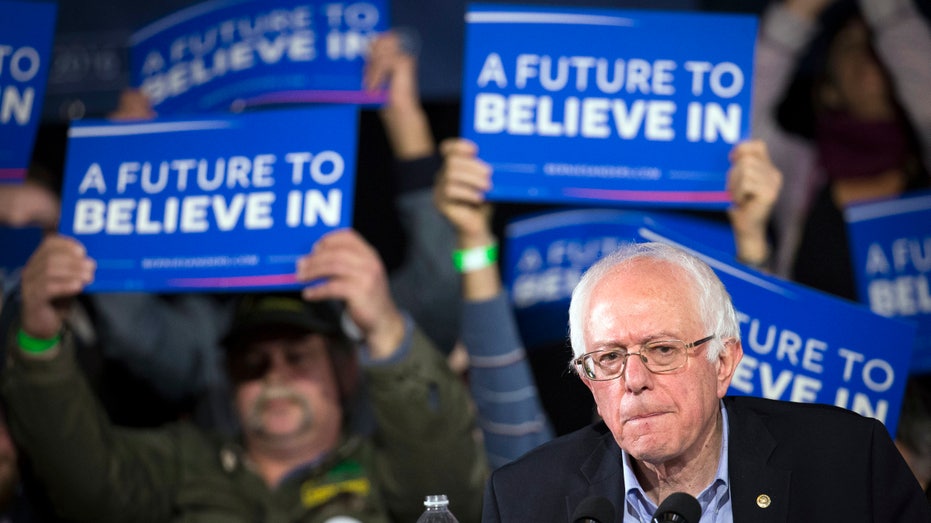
(510, 413)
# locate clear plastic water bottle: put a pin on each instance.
(437, 510)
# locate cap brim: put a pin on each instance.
(319, 317)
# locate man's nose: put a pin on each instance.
(636, 375)
(278, 367)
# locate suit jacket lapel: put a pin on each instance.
(604, 475)
(759, 492)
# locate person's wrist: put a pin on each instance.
(385, 338)
(409, 133)
(404, 117)
(756, 255)
(476, 257)
(36, 345)
(751, 236)
(473, 236)
(400, 108)
(756, 263)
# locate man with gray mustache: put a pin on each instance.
(294, 372)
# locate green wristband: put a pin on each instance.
(36, 345)
(467, 260)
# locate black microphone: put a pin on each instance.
(679, 507)
(594, 509)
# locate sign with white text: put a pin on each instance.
(208, 203)
(586, 105)
(230, 54)
(890, 246)
(799, 344)
(26, 33)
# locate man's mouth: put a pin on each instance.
(644, 416)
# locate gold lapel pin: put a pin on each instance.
(763, 501)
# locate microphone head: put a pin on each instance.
(678, 507)
(594, 508)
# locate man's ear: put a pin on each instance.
(728, 360)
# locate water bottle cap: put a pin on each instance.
(436, 500)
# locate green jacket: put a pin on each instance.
(424, 444)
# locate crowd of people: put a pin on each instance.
(358, 396)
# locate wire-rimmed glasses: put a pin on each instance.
(658, 356)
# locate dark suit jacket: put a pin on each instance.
(815, 462)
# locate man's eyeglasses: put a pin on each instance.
(253, 364)
(658, 356)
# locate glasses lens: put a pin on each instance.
(610, 363)
(300, 356)
(252, 364)
(602, 365)
(248, 365)
(664, 355)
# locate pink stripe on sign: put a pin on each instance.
(235, 281)
(651, 196)
(12, 174)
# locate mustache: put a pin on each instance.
(277, 391)
(274, 392)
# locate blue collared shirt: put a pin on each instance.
(715, 499)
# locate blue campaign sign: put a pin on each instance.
(547, 253)
(208, 203)
(586, 105)
(26, 33)
(799, 344)
(230, 54)
(890, 243)
(807, 346)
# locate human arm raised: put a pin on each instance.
(459, 194)
(753, 183)
(425, 422)
(343, 266)
(901, 36)
(510, 412)
(390, 64)
(424, 284)
(785, 30)
(88, 468)
(55, 274)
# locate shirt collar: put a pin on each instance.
(637, 500)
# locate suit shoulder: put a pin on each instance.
(535, 486)
(568, 450)
(786, 415)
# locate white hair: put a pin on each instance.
(714, 303)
